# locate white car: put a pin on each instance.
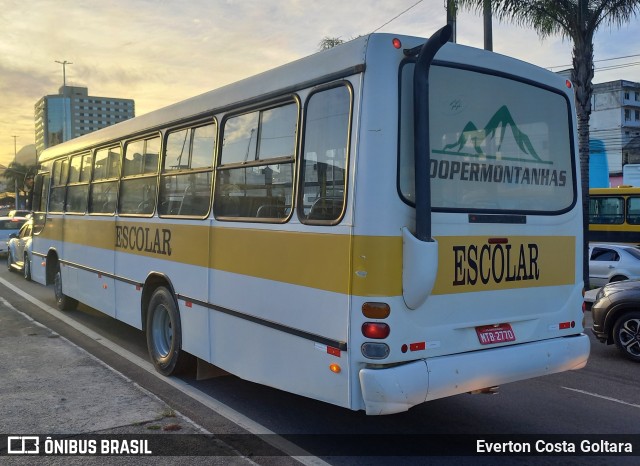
(19, 254)
(612, 263)
(9, 226)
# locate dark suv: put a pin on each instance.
(616, 317)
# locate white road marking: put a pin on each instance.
(231, 414)
(608, 398)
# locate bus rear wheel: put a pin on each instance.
(164, 334)
(64, 302)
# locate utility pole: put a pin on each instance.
(15, 175)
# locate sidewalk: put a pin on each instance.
(50, 386)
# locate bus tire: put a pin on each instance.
(164, 334)
(64, 302)
(625, 335)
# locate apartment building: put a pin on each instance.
(73, 112)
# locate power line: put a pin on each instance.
(597, 61)
(397, 16)
(615, 67)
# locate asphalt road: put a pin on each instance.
(599, 400)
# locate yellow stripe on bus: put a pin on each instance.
(358, 265)
(320, 261)
(480, 263)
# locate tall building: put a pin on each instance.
(615, 122)
(73, 112)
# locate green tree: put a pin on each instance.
(578, 21)
(17, 172)
(329, 42)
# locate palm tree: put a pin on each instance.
(577, 20)
(329, 42)
(16, 173)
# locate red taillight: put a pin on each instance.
(375, 330)
(568, 84)
(396, 43)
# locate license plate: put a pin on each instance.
(491, 334)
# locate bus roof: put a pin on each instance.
(338, 62)
(619, 191)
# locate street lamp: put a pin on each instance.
(64, 71)
(64, 97)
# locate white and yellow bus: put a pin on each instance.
(614, 215)
(368, 226)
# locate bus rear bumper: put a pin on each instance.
(396, 389)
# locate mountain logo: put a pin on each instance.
(472, 140)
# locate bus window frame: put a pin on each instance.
(304, 218)
(140, 176)
(627, 210)
(191, 125)
(41, 184)
(623, 203)
(280, 101)
(71, 185)
(62, 185)
(114, 179)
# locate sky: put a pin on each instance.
(159, 52)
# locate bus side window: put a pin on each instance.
(322, 194)
(633, 210)
(139, 177)
(606, 210)
(78, 187)
(58, 185)
(255, 174)
(186, 176)
(104, 185)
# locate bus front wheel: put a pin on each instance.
(164, 334)
(64, 302)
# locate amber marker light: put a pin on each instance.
(335, 368)
(376, 310)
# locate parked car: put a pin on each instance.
(19, 250)
(19, 213)
(613, 263)
(616, 317)
(9, 226)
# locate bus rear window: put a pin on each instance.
(497, 144)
